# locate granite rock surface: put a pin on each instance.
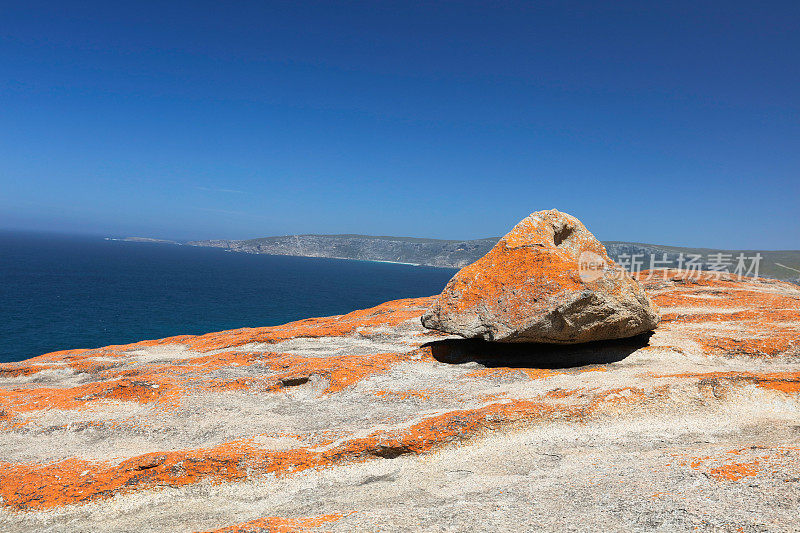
(369, 422)
(548, 280)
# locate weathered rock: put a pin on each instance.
(548, 280)
(368, 422)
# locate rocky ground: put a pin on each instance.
(368, 422)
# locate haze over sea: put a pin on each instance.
(60, 292)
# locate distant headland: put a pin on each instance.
(780, 264)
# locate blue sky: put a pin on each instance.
(673, 122)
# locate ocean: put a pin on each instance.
(60, 292)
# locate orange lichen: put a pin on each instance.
(75, 480)
(340, 371)
(496, 372)
(166, 384)
(404, 394)
(385, 315)
(767, 325)
(31, 486)
(775, 344)
(786, 382)
(388, 314)
(150, 386)
(765, 313)
(730, 466)
(515, 292)
(734, 471)
(530, 373)
(274, 524)
(14, 370)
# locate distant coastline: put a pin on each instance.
(415, 251)
(143, 239)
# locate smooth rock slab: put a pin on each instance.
(367, 422)
(548, 280)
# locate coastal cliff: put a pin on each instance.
(783, 265)
(429, 252)
(367, 421)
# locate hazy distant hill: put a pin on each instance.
(456, 254)
(431, 252)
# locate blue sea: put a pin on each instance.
(59, 292)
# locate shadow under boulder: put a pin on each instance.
(535, 355)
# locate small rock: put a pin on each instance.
(548, 280)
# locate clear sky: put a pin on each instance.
(665, 122)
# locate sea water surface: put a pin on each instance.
(60, 292)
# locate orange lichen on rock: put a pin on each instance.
(166, 384)
(530, 373)
(774, 345)
(404, 394)
(56, 356)
(340, 371)
(495, 372)
(31, 486)
(738, 464)
(275, 524)
(32, 399)
(531, 288)
(786, 382)
(728, 316)
(734, 471)
(384, 315)
(15, 370)
(25, 486)
(257, 406)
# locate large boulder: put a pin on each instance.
(548, 280)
